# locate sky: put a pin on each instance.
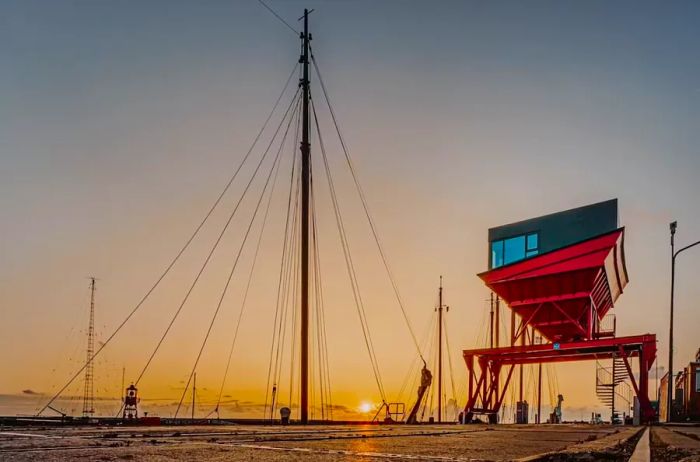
(121, 122)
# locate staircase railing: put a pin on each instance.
(611, 385)
(607, 326)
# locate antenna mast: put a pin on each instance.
(305, 186)
(89, 392)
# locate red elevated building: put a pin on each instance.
(560, 291)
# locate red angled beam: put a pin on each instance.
(564, 348)
(553, 298)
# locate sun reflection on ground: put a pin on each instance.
(364, 445)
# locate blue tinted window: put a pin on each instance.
(532, 242)
(496, 254)
(514, 249)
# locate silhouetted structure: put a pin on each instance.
(89, 389)
(686, 399)
(131, 401)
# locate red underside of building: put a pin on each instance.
(561, 296)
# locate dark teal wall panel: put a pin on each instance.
(564, 228)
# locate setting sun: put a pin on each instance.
(365, 407)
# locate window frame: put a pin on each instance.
(515, 247)
(492, 253)
(537, 242)
(528, 252)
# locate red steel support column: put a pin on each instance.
(470, 367)
(484, 374)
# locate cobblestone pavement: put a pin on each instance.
(332, 443)
(675, 443)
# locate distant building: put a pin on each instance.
(525, 239)
(686, 396)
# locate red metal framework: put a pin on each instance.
(486, 396)
(563, 296)
(565, 293)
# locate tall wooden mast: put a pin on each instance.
(440, 353)
(440, 308)
(305, 199)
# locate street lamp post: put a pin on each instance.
(674, 254)
(669, 398)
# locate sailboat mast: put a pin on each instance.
(305, 199)
(440, 353)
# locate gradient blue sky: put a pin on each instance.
(120, 121)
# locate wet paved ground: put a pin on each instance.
(333, 443)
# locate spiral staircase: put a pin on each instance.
(612, 388)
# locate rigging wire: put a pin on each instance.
(274, 13)
(365, 206)
(482, 338)
(216, 243)
(292, 302)
(449, 360)
(348, 261)
(72, 344)
(432, 355)
(284, 264)
(294, 283)
(321, 328)
(182, 250)
(288, 293)
(273, 169)
(293, 329)
(431, 408)
(550, 386)
(504, 335)
(247, 288)
(317, 365)
(322, 342)
(412, 378)
(245, 299)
